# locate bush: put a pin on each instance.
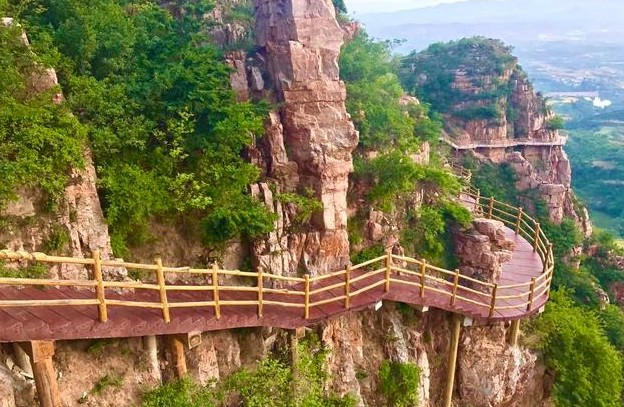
(587, 368)
(399, 383)
(155, 100)
(183, 393)
(555, 123)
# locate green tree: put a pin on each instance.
(165, 128)
(40, 141)
(588, 369)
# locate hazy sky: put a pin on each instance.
(365, 6)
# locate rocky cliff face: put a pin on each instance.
(505, 120)
(76, 226)
(310, 140)
(308, 146)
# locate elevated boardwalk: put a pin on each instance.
(217, 299)
(524, 142)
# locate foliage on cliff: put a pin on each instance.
(432, 75)
(270, 383)
(40, 142)
(164, 126)
(393, 128)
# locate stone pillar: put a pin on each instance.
(311, 146)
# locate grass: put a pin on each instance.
(107, 381)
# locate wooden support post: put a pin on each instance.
(491, 207)
(452, 361)
(493, 303)
(178, 355)
(514, 332)
(160, 276)
(538, 229)
(478, 198)
(99, 289)
(41, 353)
(260, 294)
(306, 304)
(455, 284)
(215, 290)
(531, 294)
(348, 287)
(518, 220)
(388, 269)
(423, 270)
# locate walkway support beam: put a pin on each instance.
(452, 361)
(514, 332)
(178, 355)
(41, 353)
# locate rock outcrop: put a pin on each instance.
(483, 249)
(77, 226)
(311, 141)
(491, 373)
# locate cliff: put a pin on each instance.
(491, 109)
(307, 153)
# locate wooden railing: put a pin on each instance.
(464, 294)
(507, 143)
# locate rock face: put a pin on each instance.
(309, 144)
(483, 249)
(78, 218)
(490, 373)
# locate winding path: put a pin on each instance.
(222, 299)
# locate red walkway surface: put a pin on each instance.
(27, 323)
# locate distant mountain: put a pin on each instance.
(473, 11)
(517, 22)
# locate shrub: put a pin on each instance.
(555, 123)
(588, 369)
(183, 393)
(399, 383)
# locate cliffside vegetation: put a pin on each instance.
(392, 130)
(431, 74)
(271, 383)
(40, 140)
(151, 96)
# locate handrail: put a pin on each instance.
(307, 292)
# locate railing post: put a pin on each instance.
(423, 270)
(348, 287)
(215, 290)
(455, 284)
(493, 303)
(97, 276)
(531, 295)
(307, 296)
(549, 257)
(160, 276)
(388, 269)
(518, 220)
(491, 207)
(538, 229)
(260, 294)
(478, 205)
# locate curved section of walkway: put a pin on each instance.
(58, 310)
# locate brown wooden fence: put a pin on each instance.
(306, 292)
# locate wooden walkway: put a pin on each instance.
(46, 310)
